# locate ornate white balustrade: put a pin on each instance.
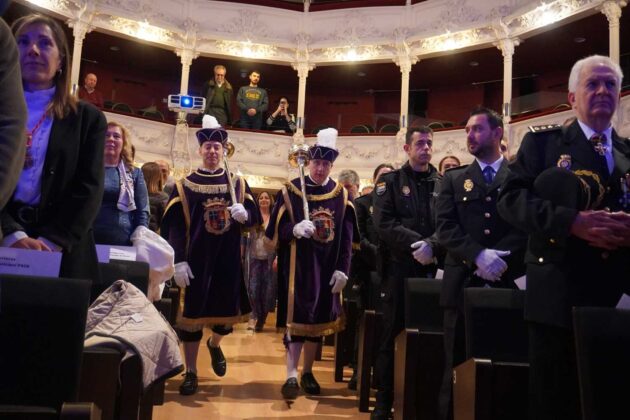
(262, 157)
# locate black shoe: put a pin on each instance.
(259, 325)
(381, 414)
(309, 384)
(290, 389)
(352, 383)
(189, 386)
(219, 364)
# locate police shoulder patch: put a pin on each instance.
(544, 128)
(380, 188)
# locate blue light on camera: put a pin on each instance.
(186, 101)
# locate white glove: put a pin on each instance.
(423, 252)
(338, 281)
(490, 266)
(238, 212)
(304, 229)
(183, 274)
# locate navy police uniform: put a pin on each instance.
(563, 271)
(403, 214)
(468, 223)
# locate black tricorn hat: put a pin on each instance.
(580, 189)
(211, 131)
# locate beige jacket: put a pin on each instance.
(123, 313)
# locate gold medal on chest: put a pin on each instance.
(468, 185)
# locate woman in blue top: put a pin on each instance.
(125, 203)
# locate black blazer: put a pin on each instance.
(72, 190)
(467, 223)
(564, 271)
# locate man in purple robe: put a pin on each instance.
(319, 252)
(204, 227)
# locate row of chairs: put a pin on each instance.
(123, 107)
(493, 382)
(46, 371)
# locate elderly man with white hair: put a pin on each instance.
(568, 191)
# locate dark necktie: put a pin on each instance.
(488, 174)
(598, 141)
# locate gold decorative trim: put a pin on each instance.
(356, 246)
(318, 330)
(272, 243)
(319, 197)
(287, 203)
(172, 203)
(206, 189)
(186, 324)
(291, 294)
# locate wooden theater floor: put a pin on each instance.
(251, 388)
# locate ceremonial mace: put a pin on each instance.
(228, 151)
(298, 157)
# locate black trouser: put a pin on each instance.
(188, 336)
(553, 383)
(454, 354)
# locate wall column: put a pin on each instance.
(507, 46)
(80, 29)
(302, 69)
(612, 11)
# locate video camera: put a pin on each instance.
(187, 104)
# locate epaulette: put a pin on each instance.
(544, 128)
(456, 167)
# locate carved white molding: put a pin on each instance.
(612, 10)
(265, 154)
(284, 36)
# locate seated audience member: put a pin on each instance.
(280, 120)
(252, 101)
(448, 162)
(88, 91)
(125, 204)
(55, 211)
(157, 197)
(350, 180)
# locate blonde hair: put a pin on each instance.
(63, 102)
(126, 154)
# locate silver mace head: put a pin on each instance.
(298, 153)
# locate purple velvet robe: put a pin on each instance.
(198, 226)
(312, 309)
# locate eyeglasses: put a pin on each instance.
(283, 102)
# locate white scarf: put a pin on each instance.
(126, 200)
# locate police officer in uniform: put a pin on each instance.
(482, 249)
(404, 221)
(365, 261)
(575, 256)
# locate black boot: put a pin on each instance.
(352, 383)
(189, 386)
(219, 364)
(290, 389)
(309, 384)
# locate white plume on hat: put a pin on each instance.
(327, 138)
(209, 122)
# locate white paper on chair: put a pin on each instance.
(521, 283)
(624, 302)
(28, 262)
(115, 252)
